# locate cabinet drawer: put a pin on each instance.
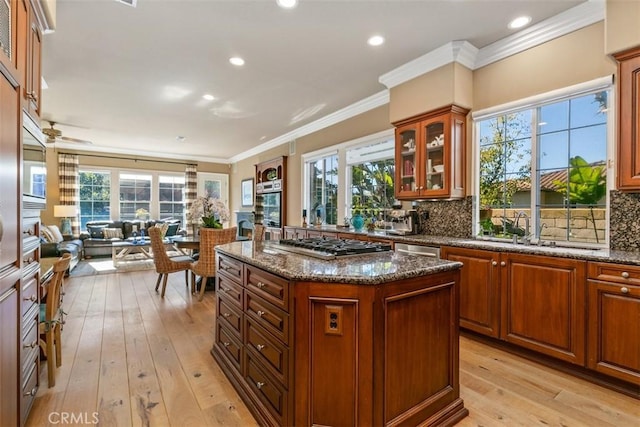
(271, 353)
(268, 316)
(619, 273)
(231, 267)
(232, 290)
(30, 348)
(29, 294)
(228, 313)
(29, 389)
(269, 391)
(229, 345)
(269, 286)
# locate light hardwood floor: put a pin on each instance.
(134, 359)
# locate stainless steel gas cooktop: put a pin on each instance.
(325, 248)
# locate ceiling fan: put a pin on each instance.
(54, 135)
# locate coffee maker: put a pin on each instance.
(403, 222)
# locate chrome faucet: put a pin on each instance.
(526, 239)
(542, 227)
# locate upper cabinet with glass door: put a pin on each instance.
(430, 155)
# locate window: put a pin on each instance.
(135, 196)
(548, 164)
(38, 180)
(95, 196)
(323, 189)
(371, 172)
(171, 196)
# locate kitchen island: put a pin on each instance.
(367, 339)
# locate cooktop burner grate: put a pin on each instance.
(326, 248)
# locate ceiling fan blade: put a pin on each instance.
(75, 140)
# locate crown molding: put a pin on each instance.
(460, 51)
(357, 108)
(559, 25)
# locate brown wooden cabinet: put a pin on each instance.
(479, 289)
(430, 155)
(271, 196)
(613, 331)
(9, 36)
(9, 353)
(533, 301)
(294, 233)
(307, 353)
(628, 157)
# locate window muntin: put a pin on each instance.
(323, 189)
(171, 196)
(564, 143)
(95, 196)
(135, 196)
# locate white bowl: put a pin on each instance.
(438, 168)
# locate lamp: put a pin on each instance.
(65, 212)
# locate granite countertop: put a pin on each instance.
(602, 255)
(367, 269)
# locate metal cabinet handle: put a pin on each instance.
(29, 232)
(226, 344)
(260, 347)
(260, 285)
(224, 289)
(624, 290)
(261, 313)
(226, 314)
(502, 263)
(259, 385)
(32, 392)
(32, 345)
(494, 263)
(32, 298)
(625, 274)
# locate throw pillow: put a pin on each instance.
(96, 231)
(55, 231)
(47, 234)
(112, 233)
(163, 228)
(172, 229)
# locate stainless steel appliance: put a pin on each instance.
(403, 222)
(324, 248)
(428, 251)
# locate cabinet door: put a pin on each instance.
(479, 289)
(435, 133)
(543, 305)
(33, 82)
(10, 241)
(629, 120)
(8, 35)
(9, 357)
(613, 338)
(407, 162)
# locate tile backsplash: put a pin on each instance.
(451, 218)
(624, 221)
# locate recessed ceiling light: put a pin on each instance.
(519, 22)
(375, 40)
(236, 60)
(287, 4)
(208, 97)
(181, 138)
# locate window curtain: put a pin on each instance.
(69, 186)
(190, 190)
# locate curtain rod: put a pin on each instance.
(135, 160)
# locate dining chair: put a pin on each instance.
(205, 266)
(259, 232)
(50, 323)
(163, 263)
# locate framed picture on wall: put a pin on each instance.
(246, 193)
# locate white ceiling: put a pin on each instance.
(131, 79)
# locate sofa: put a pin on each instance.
(97, 240)
(54, 244)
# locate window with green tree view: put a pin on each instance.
(547, 163)
(95, 196)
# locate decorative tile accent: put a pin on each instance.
(624, 221)
(452, 218)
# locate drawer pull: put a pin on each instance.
(224, 289)
(29, 232)
(32, 345)
(503, 263)
(261, 313)
(32, 298)
(624, 290)
(260, 347)
(259, 385)
(494, 263)
(226, 314)
(31, 392)
(226, 343)
(260, 285)
(625, 274)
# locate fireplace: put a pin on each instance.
(245, 221)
